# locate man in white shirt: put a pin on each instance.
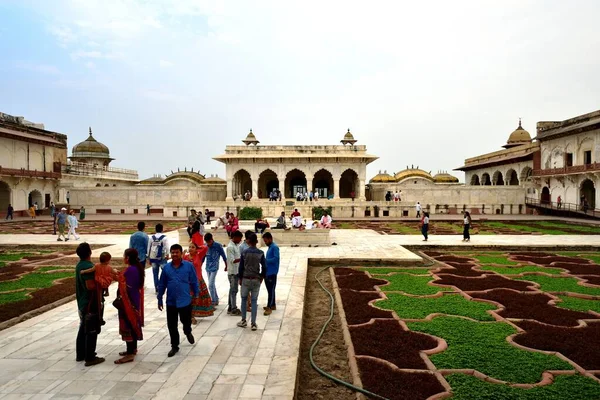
(418, 208)
(233, 263)
(325, 221)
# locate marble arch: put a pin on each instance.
(475, 180)
(349, 183)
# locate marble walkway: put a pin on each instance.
(37, 357)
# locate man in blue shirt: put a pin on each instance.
(272, 271)
(61, 222)
(139, 241)
(177, 279)
(215, 250)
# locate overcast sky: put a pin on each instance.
(167, 84)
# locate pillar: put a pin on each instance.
(361, 191)
(309, 184)
(336, 188)
(254, 189)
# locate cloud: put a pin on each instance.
(90, 65)
(42, 68)
(63, 34)
(91, 54)
(165, 64)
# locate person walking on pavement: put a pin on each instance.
(272, 260)
(252, 271)
(139, 241)
(178, 279)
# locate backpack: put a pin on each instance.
(156, 249)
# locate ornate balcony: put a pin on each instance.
(27, 173)
(575, 169)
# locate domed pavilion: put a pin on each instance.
(91, 152)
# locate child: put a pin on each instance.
(104, 275)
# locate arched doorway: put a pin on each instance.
(498, 180)
(4, 196)
(349, 183)
(295, 182)
(241, 183)
(267, 182)
(511, 178)
(545, 198)
(323, 183)
(35, 197)
(526, 174)
(475, 180)
(485, 179)
(588, 190)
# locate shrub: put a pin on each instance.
(249, 213)
(319, 211)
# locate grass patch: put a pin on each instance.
(383, 271)
(520, 270)
(13, 297)
(552, 284)
(345, 225)
(420, 307)
(564, 387)
(412, 284)
(594, 257)
(483, 346)
(8, 257)
(494, 259)
(525, 228)
(55, 267)
(404, 229)
(584, 305)
(562, 225)
(33, 281)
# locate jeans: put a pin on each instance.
(212, 289)
(252, 287)
(466, 231)
(418, 213)
(424, 230)
(85, 345)
(156, 267)
(271, 283)
(233, 291)
(185, 316)
(9, 215)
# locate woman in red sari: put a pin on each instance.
(131, 307)
(202, 305)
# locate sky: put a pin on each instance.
(167, 84)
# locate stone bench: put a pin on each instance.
(311, 237)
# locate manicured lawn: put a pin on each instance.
(8, 257)
(483, 346)
(494, 259)
(552, 284)
(520, 270)
(34, 280)
(525, 228)
(54, 268)
(564, 387)
(562, 225)
(407, 230)
(412, 284)
(420, 307)
(13, 297)
(383, 271)
(574, 303)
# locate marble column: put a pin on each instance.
(254, 189)
(229, 190)
(309, 184)
(361, 190)
(336, 188)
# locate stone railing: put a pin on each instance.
(574, 169)
(27, 173)
(77, 168)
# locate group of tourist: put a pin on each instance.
(424, 225)
(396, 196)
(65, 220)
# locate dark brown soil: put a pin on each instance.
(331, 354)
(463, 269)
(11, 272)
(581, 345)
(578, 269)
(450, 258)
(533, 306)
(592, 280)
(482, 283)
(40, 298)
(400, 347)
(357, 309)
(387, 382)
(346, 271)
(358, 281)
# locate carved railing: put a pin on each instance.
(27, 173)
(562, 207)
(574, 169)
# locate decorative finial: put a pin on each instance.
(520, 123)
(90, 131)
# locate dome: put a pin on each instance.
(250, 139)
(348, 138)
(519, 136)
(412, 173)
(90, 148)
(213, 180)
(382, 178)
(444, 177)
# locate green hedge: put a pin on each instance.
(319, 211)
(248, 213)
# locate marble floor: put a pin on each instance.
(37, 356)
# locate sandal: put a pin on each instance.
(124, 353)
(125, 360)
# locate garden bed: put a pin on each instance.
(44, 226)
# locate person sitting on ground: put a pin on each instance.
(261, 224)
(325, 221)
(222, 221)
(233, 224)
(296, 219)
(282, 222)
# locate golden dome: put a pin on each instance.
(382, 178)
(250, 139)
(348, 138)
(519, 136)
(444, 177)
(212, 180)
(412, 173)
(91, 148)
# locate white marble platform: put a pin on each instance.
(37, 357)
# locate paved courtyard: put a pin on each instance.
(37, 357)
